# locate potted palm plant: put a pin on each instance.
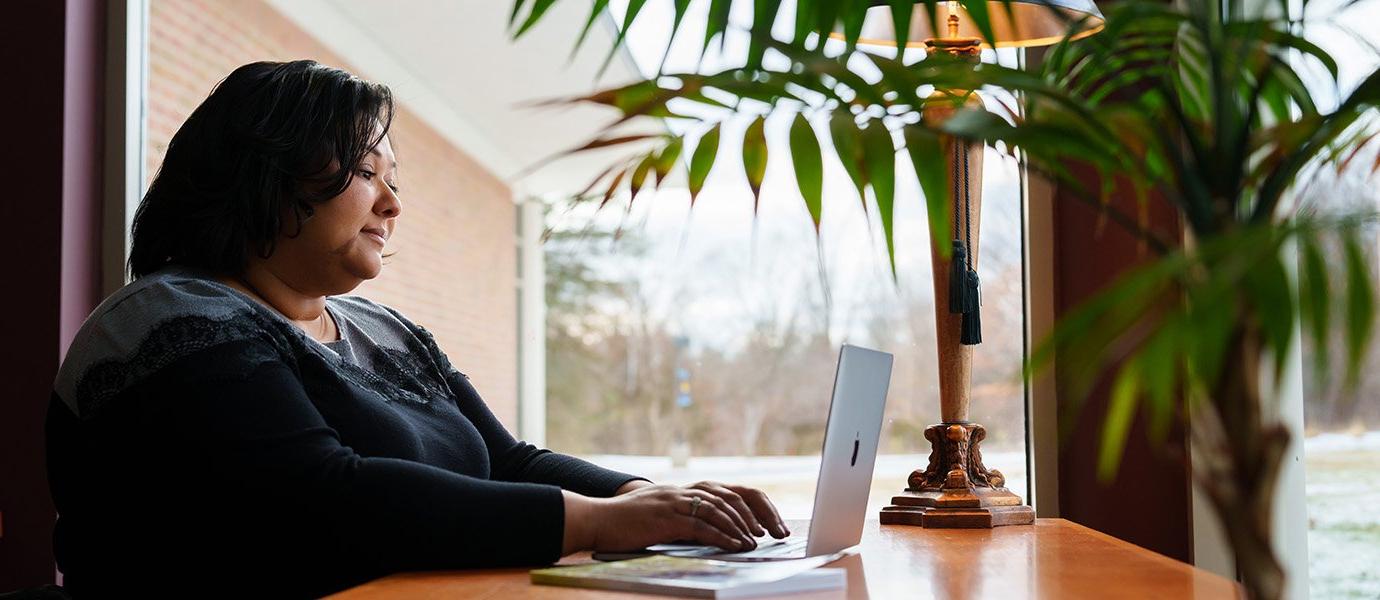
(1203, 104)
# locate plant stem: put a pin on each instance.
(1241, 486)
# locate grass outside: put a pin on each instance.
(1343, 488)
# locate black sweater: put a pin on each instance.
(238, 457)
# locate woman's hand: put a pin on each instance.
(706, 512)
(751, 505)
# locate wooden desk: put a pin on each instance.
(1052, 559)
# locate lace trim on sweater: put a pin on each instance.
(404, 376)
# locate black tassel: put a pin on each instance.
(972, 329)
(972, 317)
(972, 291)
(958, 279)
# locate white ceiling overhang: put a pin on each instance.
(454, 64)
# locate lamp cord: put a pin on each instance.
(967, 209)
(956, 189)
(965, 290)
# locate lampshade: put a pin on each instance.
(1027, 23)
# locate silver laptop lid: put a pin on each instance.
(850, 449)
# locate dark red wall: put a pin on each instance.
(51, 216)
(1148, 503)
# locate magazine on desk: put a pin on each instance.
(699, 577)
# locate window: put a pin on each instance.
(688, 345)
(1342, 447)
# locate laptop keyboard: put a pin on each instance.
(787, 547)
(782, 547)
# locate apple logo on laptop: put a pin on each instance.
(854, 462)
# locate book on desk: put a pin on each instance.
(697, 577)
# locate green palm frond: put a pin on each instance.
(1205, 104)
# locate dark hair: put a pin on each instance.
(264, 138)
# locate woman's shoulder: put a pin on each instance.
(150, 323)
(172, 295)
(174, 289)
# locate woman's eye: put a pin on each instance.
(367, 175)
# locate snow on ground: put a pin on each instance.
(1343, 487)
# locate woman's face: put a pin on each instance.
(341, 244)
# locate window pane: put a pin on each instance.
(747, 327)
(702, 344)
(1342, 449)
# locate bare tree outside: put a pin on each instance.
(661, 332)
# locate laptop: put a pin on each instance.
(845, 468)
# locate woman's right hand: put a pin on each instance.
(651, 515)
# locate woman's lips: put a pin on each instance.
(374, 235)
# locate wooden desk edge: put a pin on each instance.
(504, 583)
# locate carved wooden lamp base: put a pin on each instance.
(956, 490)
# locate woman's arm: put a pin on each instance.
(615, 511)
(509, 458)
(257, 432)
(632, 486)
(513, 460)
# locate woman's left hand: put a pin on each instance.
(752, 507)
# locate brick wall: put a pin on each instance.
(455, 268)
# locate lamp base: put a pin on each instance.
(956, 490)
(955, 518)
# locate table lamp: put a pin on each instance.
(955, 489)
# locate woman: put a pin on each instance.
(231, 422)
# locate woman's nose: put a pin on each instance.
(389, 204)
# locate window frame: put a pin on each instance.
(126, 130)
